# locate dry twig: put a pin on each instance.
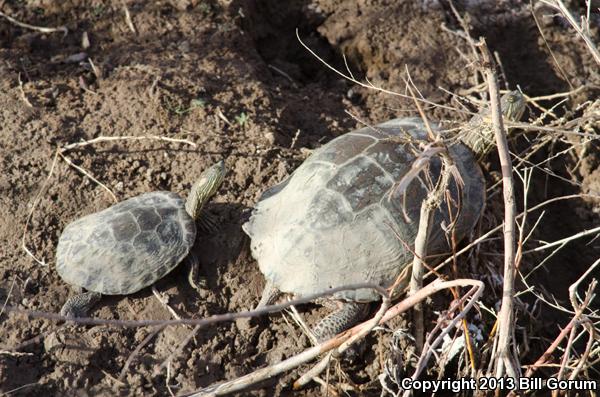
(506, 324)
(41, 29)
(579, 309)
(128, 18)
(428, 208)
(22, 92)
(560, 6)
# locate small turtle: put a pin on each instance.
(339, 219)
(132, 244)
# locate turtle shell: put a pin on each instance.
(128, 246)
(339, 219)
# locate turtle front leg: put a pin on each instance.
(269, 295)
(79, 305)
(340, 320)
(197, 280)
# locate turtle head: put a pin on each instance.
(512, 105)
(206, 186)
(478, 134)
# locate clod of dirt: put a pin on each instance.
(69, 346)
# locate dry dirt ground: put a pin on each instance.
(231, 77)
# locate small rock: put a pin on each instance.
(85, 41)
(184, 46)
(79, 57)
(270, 137)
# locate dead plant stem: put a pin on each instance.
(505, 363)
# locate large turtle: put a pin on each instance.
(339, 219)
(132, 244)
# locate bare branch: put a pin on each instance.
(217, 318)
(41, 29)
(505, 318)
(559, 5)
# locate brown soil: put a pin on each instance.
(190, 65)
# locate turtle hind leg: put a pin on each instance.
(269, 295)
(340, 320)
(79, 305)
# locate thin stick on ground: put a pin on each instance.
(177, 351)
(368, 84)
(128, 18)
(297, 318)
(312, 373)
(506, 363)
(566, 356)
(22, 92)
(137, 351)
(10, 290)
(593, 336)
(562, 241)
(428, 208)
(41, 29)
(217, 318)
(164, 301)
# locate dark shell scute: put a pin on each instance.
(163, 212)
(390, 156)
(125, 248)
(147, 242)
(362, 182)
(190, 232)
(327, 211)
(124, 227)
(100, 236)
(147, 218)
(147, 278)
(169, 232)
